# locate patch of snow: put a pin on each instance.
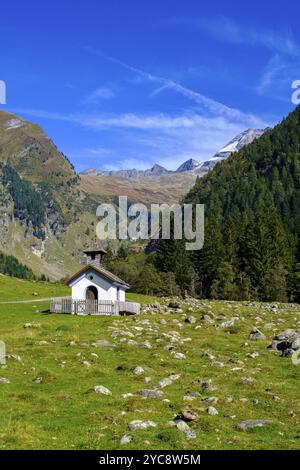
(13, 124)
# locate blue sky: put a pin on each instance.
(122, 84)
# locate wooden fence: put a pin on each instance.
(93, 307)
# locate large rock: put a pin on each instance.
(287, 342)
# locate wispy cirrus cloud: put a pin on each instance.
(282, 67)
(205, 102)
(141, 121)
(165, 138)
(226, 29)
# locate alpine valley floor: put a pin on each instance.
(161, 380)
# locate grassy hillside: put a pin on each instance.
(12, 288)
(50, 402)
(164, 189)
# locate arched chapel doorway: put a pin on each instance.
(91, 293)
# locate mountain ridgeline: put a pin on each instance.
(252, 223)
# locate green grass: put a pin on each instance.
(142, 299)
(63, 412)
(12, 288)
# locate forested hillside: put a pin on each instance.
(252, 223)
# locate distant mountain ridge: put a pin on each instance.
(190, 165)
(156, 170)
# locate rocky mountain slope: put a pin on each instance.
(44, 212)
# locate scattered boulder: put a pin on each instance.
(210, 400)
(212, 411)
(208, 385)
(4, 380)
(184, 427)
(102, 390)
(256, 334)
(139, 424)
(165, 382)
(287, 342)
(125, 439)
(146, 344)
(179, 356)
(252, 423)
(151, 393)
(190, 320)
(138, 370)
(188, 415)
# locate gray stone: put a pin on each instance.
(296, 344)
(139, 424)
(212, 411)
(256, 334)
(4, 380)
(179, 356)
(210, 400)
(182, 426)
(247, 380)
(188, 415)
(153, 393)
(146, 344)
(286, 335)
(38, 379)
(165, 382)
(102, 390)
(125, 439)
(208, 385)
(252, 423)
(138, 370)
(190, 320)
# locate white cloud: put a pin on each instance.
(101, 93)
(156, 138)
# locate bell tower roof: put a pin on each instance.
(95, 250)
